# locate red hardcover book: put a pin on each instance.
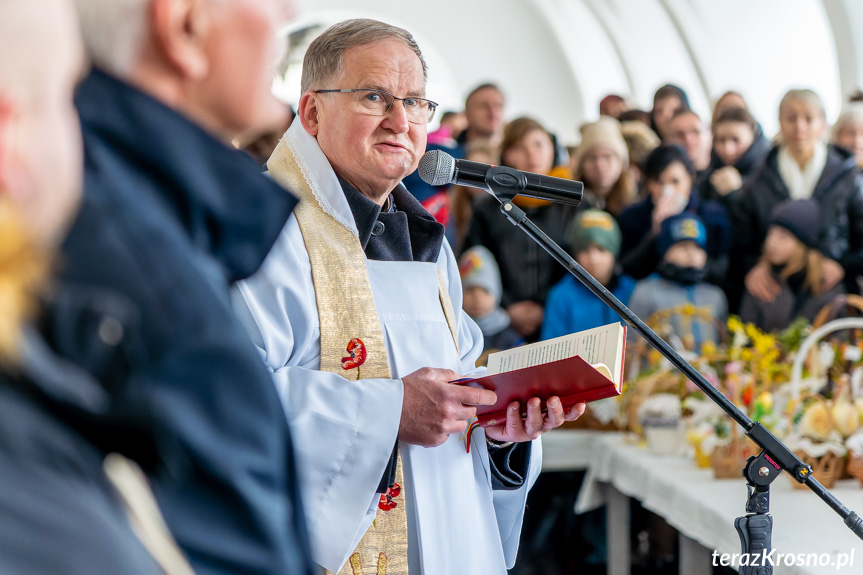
(580, 367)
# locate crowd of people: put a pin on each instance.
(676, 210)
(208, 369)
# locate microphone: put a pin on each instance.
(437, 168)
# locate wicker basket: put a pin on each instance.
(854, 468)
(728, 460)
(826, 469)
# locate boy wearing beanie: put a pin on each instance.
(679, 279)
(480, 280)
(571, 307)
(795, 264)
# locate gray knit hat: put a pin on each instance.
(478, 267)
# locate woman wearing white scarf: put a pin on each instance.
(802, 166)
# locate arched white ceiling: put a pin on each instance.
(556, 58)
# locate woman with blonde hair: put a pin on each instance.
(527, 271)
(802, 166)
(848, 131)
(602, 164)
(795, 265)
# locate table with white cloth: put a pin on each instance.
(702, 509)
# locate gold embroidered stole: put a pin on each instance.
(350, 332)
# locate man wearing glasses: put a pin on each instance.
(357, 311)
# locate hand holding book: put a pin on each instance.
(576, 368)
(536, 418)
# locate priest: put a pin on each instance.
(357, 311)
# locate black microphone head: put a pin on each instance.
(437, 168)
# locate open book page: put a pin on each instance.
(601, 345)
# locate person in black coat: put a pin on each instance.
(669, 176)
(172, 216)
(800, 168)
(527, 271)
(739, 149)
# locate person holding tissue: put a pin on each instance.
(669, 176)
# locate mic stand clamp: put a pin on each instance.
(756, 528)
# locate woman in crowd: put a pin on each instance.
(669, 176)
(602, 164)
(802, 166)
(738, 152)
(848, 131)
(791, 253)
(527, 271)
(667, 100)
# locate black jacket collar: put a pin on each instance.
(409, 233)
(227, 207)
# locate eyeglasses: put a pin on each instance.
(378, 103)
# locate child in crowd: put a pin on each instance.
(795, 264)
(571, 306)
(679, 279)
(480, 281)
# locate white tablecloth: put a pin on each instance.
(568, 449)
(704, 508)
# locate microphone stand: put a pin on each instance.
(755, 528)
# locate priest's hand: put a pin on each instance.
(433, 409)
(536, 423)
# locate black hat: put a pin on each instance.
(801, 218)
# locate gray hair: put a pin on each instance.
(113, 32)
(323, 59)
(804, 95)
(851, 116)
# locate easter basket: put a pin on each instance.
(819, 442)
(727, 460)
(855, 467)
(829, 462)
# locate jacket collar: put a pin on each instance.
(412, 233)
(224, 203)
(839, 162)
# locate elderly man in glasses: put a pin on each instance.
(357, 311)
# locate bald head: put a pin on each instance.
(40, 149)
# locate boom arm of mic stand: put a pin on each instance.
(771, 446)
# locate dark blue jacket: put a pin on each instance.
(170, 218)
(571, 307)
(638, 254)
(58, 512)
